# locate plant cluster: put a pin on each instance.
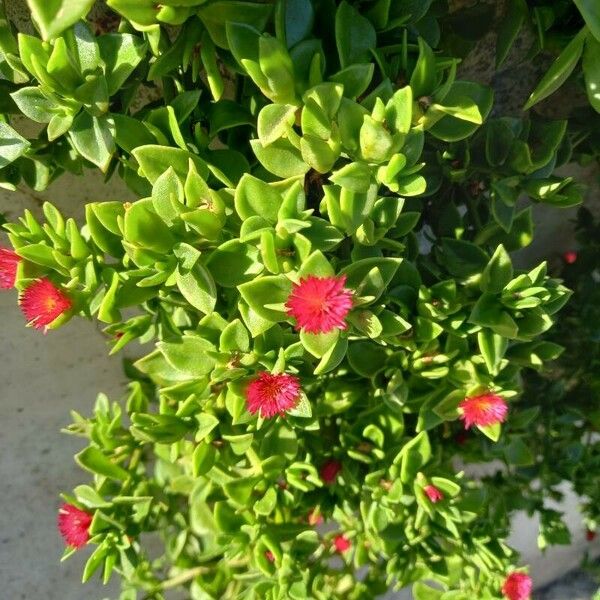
(320, 260)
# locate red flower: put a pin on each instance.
(590, 535)
(320, 304)
(433, 493)
(314, 517)
(329, 471)
(272, 394)
(517, 586)
(9, 261)
(341, 543)
(570, 257)
(74, 525)
(42, 302)
(483, 410)
(269, 556)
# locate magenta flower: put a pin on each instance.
(9, 261)
(483, 410)
(272, 395)
(74, 525)
(42, 302)
(320, 304)
(517, 586)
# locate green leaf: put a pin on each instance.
(375, 141)
(226, 114)
(413, 456)
(294, 21)
(276, 65)
(93, 138)
(254, 197)
(398, 110)
(355, 79)
(488, 312)
(215, 16)
(54, 16)
(154, 160)
(318, 344)
(498, 272)
(453, 129)
(266, 505)
(354, 35)
(93, 460)
(491, 431)
(144, 228)
(274, 121)
(518, 453)
(422, 591)
(12, 145)
(234, 338)
(590, 11)
(464, 108)
(317, 153)
(189, 355)
(203, 459)
(492, 347)
(355, 176)
(424, 76)
(515, 14)
(280, 158)
(558, 72)
(198, 288)
(206, 423)
(234, 263)
(591, 71)
(267, 296)
(35, 104)
(121, 53)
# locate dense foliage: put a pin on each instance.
(320, 260)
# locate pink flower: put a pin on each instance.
(269, 556)
(320, 304)
(341, 543)
(9, 261)
(517, 586)
(314, 517)
(74, 525)
(433, 493)
(329, 471)
(42, 302)
(272, 394)
(570, 257)
(483, 410)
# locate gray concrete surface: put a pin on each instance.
(42, 378)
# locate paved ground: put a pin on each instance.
(576, 585)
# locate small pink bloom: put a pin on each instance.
(570, 257)
(433, 493)
(517, 586)
(483, 410)
(320, 304)
(341, 543)
(74, 525)
(269, 556)
(314, 517)
(590, 535)
(272, 394)
(329, 471)
(9, 261)
(42, 302)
